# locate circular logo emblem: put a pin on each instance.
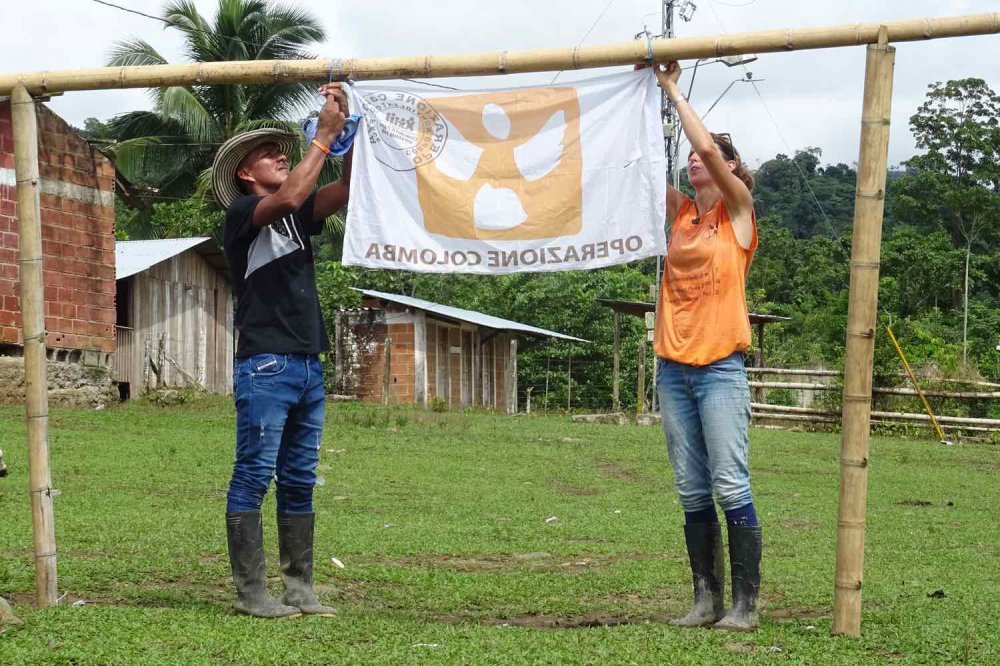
(404, 129)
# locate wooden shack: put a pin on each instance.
(402, 350)
(174, 316)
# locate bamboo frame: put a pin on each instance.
(25, 126)
(499, 62)
(867, 235)
(861, 317)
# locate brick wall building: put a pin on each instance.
(78, 245)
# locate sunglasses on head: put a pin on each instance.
(726, 141)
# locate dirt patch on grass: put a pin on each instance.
(793, 613)
(739, 648)
(212, 558)
(799, 523)
(916, 502)
(572, 490)
(540, 621)
(611, 469)
(786, 471)
(539, 561)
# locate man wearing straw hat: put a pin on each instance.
(271, 212)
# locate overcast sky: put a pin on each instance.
(813, 96)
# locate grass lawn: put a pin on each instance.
(442, 523)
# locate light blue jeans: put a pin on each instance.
(280, 405)
(706, 418)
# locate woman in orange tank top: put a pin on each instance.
(702, 331)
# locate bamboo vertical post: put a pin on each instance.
(25, 126)
(512, 378)
(640, 403)
(615, 364)
(161, 361)
(545, 400)
(569, 382)
(386, 370)
(760, 394)
(861, 318)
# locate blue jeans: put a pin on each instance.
(280, 405)
(706, 418)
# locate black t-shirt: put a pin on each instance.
(277, 308)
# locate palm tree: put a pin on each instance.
(165, 153)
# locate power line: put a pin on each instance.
(587, 34)
(781, 136)
(428, 83)
(172, 25)
(798, 167)
(131, 11)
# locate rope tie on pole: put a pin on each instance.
(335, 63)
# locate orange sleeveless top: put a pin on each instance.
(703, 313)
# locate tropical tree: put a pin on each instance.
(164, 153)
(955, 185)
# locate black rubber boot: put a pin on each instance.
(744, 558)
(295, 548)
(246, 556)
(704, 546)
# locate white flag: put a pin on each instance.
(559, 177)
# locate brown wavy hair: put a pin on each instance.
(729, 153)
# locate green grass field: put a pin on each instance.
(441, 523)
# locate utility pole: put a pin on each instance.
(671, 137)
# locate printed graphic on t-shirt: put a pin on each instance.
(278, 239)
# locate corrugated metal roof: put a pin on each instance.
(470, 316)
(133, 257)
(640, 308)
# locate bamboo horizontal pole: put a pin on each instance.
(905, 416)
(932, 393)
(944, 420)
(765, 407)
(964, 395)
(498, 62)
(805, 372)
(804, 418)
(879, 421)
(799, 386)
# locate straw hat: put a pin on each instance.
(234, 151)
